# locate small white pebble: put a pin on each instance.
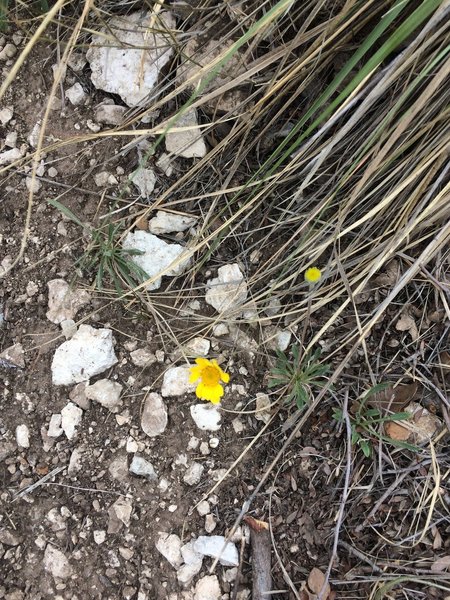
(214, 442)
(52, 172)
(204, 449)
(203, 508)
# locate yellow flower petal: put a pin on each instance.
(195, 374)
(210, 393)
(223, 376)
(202, 362)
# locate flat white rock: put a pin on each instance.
(176, 382)
(170, 548)
(166, 222)
(23, 436)
(54, 427)
(188, 143)
(154, 415)
(143, 468)
(63, 302)
(159, 258)
(193, 473)
(76, 94)
(109, 114)
(56, 563)
(142, 357)
(228, 290)
(207, 588)
(206, 417)
(105, 392)
(212, 545)
(127, 57)
(145, 181)
(71, 416)
(88, 353)
(9, 156)
(193, 562)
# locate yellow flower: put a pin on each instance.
(313, 275)
(210, 375)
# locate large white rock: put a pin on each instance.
(207, 588)
(188, 143)
(63, 302)
(166, 222)
(206, 417)
(88, 353)
(176, 382)
(170, 548)
(212, 545)
(71, 416)
(228, 290)
(105, 392)
(56, 563)
(158, 258)
(128, 55)
(154, 415)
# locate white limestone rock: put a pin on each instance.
(158, 258)
(6, 114)
(105, 392)
(206, 417)
(170, 548)
(193, 562)
(23, 436)
(188, 143)
(154, 415)
(143, 468)
(212, 545)
(71, 416)
(64, 302)
(228, 290)
(142, 357)
(193, 473)
(166, 222)
(56, 563)
(145, 181)
(10, 156)
(88, 353)
(207, 588)
(176, 382)
(127, 57)
(54, 427)
(76, 94)
(109, 114)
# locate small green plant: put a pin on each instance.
(365, 423)
(298, 374)
(105, 256)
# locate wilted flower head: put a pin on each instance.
(210, 375)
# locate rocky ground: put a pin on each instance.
(116, 481)
(112, 471)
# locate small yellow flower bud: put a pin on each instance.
(313, 275)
